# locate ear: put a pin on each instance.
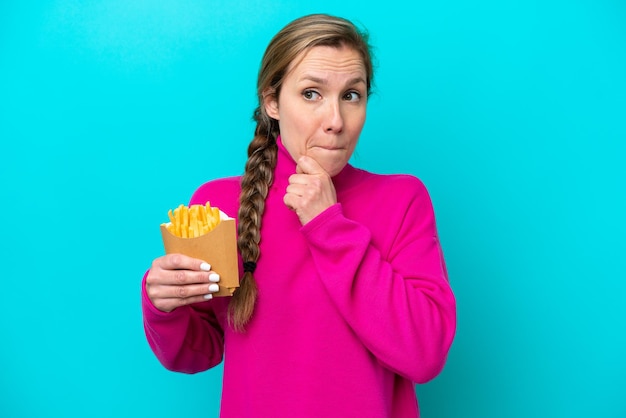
(270, 103)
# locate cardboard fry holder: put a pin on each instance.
(217, 247)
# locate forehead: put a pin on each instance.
(328, 59)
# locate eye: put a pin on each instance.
(352, 96)
(309, 94)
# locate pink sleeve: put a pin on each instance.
(190, 339)
(401, 306)
(187, 340)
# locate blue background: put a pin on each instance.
(511, 112)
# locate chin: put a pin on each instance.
(334, 169)
(332, 166)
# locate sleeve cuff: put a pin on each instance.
(322, 218)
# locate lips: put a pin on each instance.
(328, 147)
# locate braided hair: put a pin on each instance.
(280, 56)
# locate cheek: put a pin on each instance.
(359, 121)
(294, 132)
(354, 124)
(355, 132)
(290, 142)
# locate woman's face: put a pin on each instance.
(321, 106)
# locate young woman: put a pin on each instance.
(344, 301)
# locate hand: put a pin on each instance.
(310, 191)
(176, 280)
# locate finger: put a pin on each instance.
(290, 200)
(302, 179)
(297, 189)
(308, 165)
(186, 277)
(159, 277)
(182, 262)
(169, 304)
(182, 291)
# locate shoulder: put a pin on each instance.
(399, 186)
(398, 196)
(222, 193)
(393, 206)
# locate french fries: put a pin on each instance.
(192, 221)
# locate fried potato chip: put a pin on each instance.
(192, 221)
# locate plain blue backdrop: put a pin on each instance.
(511, 112)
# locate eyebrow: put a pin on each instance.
(318, 80)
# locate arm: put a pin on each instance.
(399, 304)
(188, 339)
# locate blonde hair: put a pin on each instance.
(298, 36)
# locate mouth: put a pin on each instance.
(329, 147)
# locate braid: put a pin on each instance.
(255, 184)
(283, 51)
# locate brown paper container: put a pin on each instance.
(218, 248)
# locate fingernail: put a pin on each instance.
(205, 267)
(214, 287)
(209, 296)
(214, 277)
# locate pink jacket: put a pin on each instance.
(354, 308)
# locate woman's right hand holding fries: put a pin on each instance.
(177, 280)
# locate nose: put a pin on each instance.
(333, 119)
